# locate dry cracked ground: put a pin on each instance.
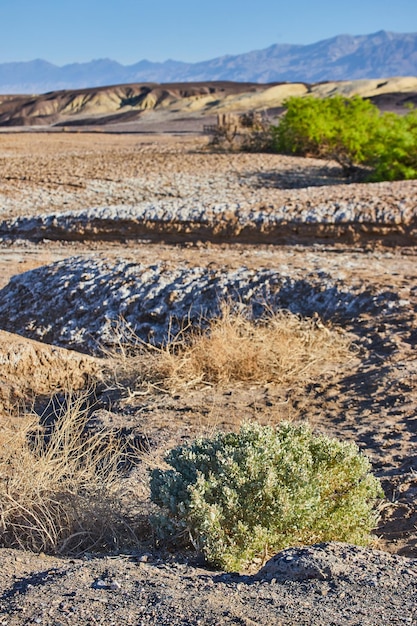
(97, 228)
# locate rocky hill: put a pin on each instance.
(344, 57)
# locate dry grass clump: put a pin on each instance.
(61, 491)
(284, 349)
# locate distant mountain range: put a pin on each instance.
(344, 57)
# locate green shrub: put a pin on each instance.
(393, 152)
(249, 494)
(352, 132)
(338, 128)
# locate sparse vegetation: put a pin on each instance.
(250, 132)
(249, 494)
(61, 486)
(61, 490)
(367, 144)
(352, 132)
(282, 348)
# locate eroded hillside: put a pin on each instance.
(133, 103)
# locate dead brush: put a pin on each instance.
(64, 492)
(283, 349)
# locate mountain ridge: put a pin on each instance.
(343, 57)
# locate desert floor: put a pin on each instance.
(370, 400)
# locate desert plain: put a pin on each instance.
(98, 225)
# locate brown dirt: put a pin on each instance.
(373, 401)
(30, 369)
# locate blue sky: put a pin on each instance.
(66, 31)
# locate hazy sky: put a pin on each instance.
(63, 31)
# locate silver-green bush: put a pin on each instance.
(249, 494)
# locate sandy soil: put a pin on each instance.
(372, 402)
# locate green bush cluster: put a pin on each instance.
(242, 495)
(351, 131)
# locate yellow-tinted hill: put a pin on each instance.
(121, 103)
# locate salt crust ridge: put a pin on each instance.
(83, 303)
(178, 211)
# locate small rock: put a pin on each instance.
(115, 585)
(99, 584)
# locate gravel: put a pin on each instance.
(327, 584)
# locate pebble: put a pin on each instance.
(99, 584)
(115, 585)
